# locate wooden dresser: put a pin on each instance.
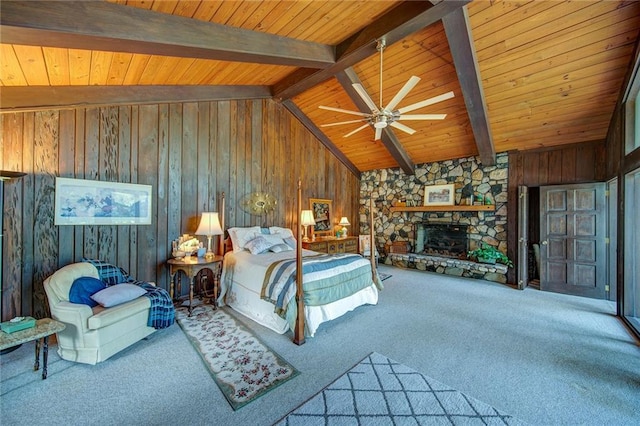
(333, 245)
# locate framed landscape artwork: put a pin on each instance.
(92, 202)
(439, 195)
(323, 216)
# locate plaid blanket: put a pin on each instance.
(161, 314)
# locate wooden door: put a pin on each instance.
(573, 239)
(523, 237)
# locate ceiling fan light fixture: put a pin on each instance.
(380, 122)
(380, 116)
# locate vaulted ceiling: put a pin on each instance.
(525, 74)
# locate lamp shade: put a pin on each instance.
(344, 221)
(209, 224)
(307, 218)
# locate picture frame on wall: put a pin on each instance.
(439, 195)
(323, 215)
(93, 202)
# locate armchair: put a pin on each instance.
(93, 334)
(365, 247)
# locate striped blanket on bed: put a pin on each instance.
(328, 285)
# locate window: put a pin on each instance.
(631, 305)
(632, 112)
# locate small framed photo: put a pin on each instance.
(439, 195)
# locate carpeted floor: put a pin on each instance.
(381, 391)
(545, 358)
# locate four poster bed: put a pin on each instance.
(268, 277)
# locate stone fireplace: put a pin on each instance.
(442, 239)
(397, 230)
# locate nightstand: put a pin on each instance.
(333, 245)
(190, 266)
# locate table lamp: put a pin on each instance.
(344, 222)
(306, 219)
(209, 226)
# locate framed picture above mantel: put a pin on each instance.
(439, 195)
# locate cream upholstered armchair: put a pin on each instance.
(365, 247)
(93, 334)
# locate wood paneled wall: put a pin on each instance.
(570, 164)
(189, 152)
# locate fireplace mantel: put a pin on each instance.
(480, 208)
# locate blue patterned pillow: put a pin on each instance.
(109, 274)
(258, 245)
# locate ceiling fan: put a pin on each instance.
(381, 117)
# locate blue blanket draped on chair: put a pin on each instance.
(162, 313)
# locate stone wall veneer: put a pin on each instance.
(389, 186)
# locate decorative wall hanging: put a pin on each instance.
(92, 202)
(258, 203)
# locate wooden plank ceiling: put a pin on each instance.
(525, 74)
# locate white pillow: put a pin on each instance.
(282, 232)
(273, 238)
(241, 236)
(258, 245)
(117, 294)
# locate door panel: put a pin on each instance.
(573, 230)
(523, 237)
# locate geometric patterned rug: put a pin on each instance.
(242, 366)
(383, 276)
(380, 391)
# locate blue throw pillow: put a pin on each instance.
(83, 288)
(109, 274)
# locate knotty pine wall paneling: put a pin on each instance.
(190, 153)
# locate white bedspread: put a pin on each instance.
(241, 284)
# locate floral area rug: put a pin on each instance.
(242, 366)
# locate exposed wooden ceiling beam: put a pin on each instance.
(52, 97)
(400, 22)
(389, 139)
(297, 112)
(458, 31)
(111, 27)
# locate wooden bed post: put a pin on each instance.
(221, 243)
(298, 333)
(372, 248)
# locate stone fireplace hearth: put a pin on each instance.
(449, 266)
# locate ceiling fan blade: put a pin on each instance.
(402, 93)
(356, 130)
(422, 117)
(365, 97)
(378, 134)
(346, 111)
(402, 127)
(344, 122)
(426, 102)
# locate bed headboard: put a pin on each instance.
(227, 245)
